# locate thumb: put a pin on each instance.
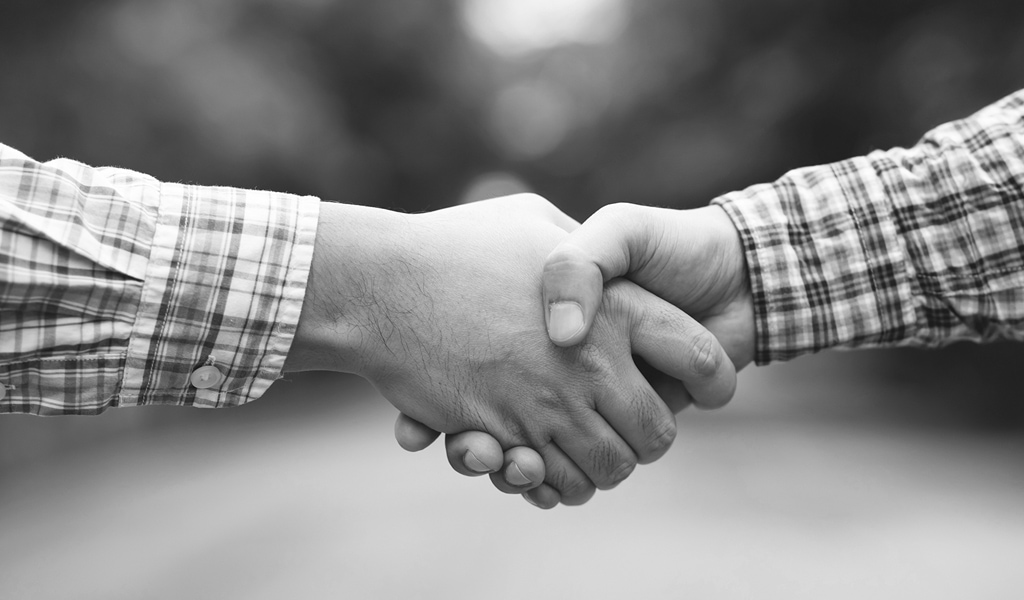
(572, 283)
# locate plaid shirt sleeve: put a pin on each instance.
(919, 246)
(119, 290)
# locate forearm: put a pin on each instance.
(916, 246)
(117, 288)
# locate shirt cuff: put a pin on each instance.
(221, 296)
(826, 264)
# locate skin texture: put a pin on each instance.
(693, 259)
(440, 312)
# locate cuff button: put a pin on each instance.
(206, 377)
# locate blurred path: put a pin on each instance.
(297, 497)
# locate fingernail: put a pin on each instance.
(566, 320)
(531, 500)
(475, 464)
(514, 476)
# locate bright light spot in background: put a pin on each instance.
(529, 120)
(513, 27)
(493, 185)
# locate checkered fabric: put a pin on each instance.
(115, 287)
(918, 246)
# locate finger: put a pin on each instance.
(669, 389)
(522, 469)
(596, 448)
(677, 345)
(565, 477)
(638, 414)
(413, 435)
(473, 453)
(543, 496)
(609, 244)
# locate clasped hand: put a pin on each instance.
(509, 326)
(692, 259)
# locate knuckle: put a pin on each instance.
(532, 198)
(511, 433)
(553, 411)
(615, 210)
(661, 435)
(655, 422)
(705, 361)
(549, 401)
(592, 359)
(622, 298)
(577, 487)
(580, 499)
(530, 203)
(620, 473)
(611, 466)
(570, 485)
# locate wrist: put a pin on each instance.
(352, 245)
(726, 250)
(733, 320)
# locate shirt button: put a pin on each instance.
(206, 377)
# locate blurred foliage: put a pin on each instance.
(391, 103)
(396, 103)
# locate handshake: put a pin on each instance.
(554, 354)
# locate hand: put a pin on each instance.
(693, 259)
(439, 311)
(520, 470)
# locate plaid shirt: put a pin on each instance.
(116, 289)
(918, 246)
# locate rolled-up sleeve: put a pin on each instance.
(117, 289)
(920, 246)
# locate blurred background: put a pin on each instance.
(885, 473)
